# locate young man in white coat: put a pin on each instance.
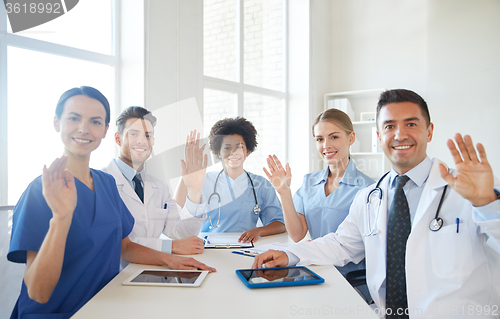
(449, 258)
(148, 198)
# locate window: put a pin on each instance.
(40, 64)
(245, 70)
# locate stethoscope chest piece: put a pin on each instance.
(256, 210)
(436, 224)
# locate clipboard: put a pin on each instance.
(224, 242)
(252, 252)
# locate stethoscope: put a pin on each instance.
(435, 224)
(256, 209)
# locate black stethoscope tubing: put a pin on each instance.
(435, 223)
(256, 209)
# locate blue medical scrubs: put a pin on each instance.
(93, 246)
(323, 213)
(238, 202)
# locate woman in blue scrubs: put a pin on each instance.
(323, 200)
(70, 226)
(243, 197)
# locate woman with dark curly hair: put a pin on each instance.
(236, 199)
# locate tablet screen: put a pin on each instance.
(166, 276)
(278, 275)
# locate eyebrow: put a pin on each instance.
(239, 143)
(411, 119)
(132, 130)
(92, 118)
(328, 134)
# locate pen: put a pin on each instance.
(165, 206)
(458, 223)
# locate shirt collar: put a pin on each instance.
(127, 171)
(349, 177)
(417, 175)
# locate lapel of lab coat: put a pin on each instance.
(429, 200)
(121, 182)
(150, 187)
(379, 276)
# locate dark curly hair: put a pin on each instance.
(230, 126)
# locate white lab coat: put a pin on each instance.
(446, 271)
(151, 219)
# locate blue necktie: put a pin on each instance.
(398, 230)
(139, 190)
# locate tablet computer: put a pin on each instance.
(167, 277)
(278, 277)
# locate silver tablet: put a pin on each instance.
(167, 277)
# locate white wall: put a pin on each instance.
(173, 79)
(447, 51)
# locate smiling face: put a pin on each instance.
(403, 134)
(333, 143)
(136, 142)
(82, 125)
(234, 152)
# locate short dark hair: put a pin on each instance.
(230, 126)
(402, 95)
(87, 91)
(133, 112)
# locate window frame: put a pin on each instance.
(18, 41)
(239, 87)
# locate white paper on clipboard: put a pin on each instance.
(214, 241)
(261, 249)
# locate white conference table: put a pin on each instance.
(223, 295)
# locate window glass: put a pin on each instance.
(216, 106)
(88, 26)
(263, 43)
(36, 81)
(266, 114)
(219, 39)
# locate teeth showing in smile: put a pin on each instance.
(81, 141)
(140, 150)
(402, 147)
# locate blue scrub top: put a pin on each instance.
(323, 213)
(237, 202)
(93, 246)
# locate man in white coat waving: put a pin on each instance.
(148, 198)
(430, 235)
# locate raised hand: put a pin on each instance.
(474, 180)
(59, 189)
(194, 166)
(279, 177)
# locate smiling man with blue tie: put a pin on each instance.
(148, 198)
(432, 242)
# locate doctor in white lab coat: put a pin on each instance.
(451, 272)
(157, 213)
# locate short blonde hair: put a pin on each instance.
(337, 117)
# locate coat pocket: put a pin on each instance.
(451, 251)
